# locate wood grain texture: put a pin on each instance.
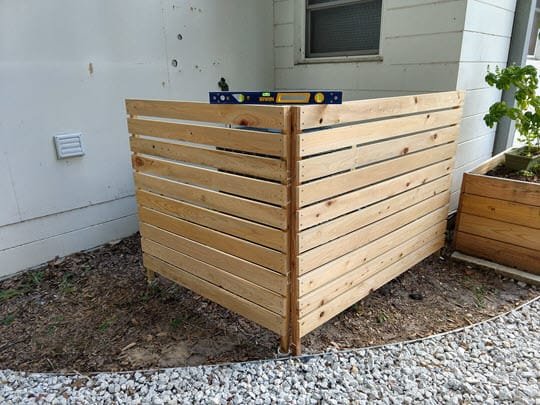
(366, 252)
(328, 311)
(502, 231)
(251, 231)
(266, 168)
(327, 231)
(252, 252)
(221, 278)
(501, 210)
(502, 189)
(238, 206)
(254, 312)
(336, 286)
(332, 250)
(328, 140)
(334, 207)
(257, 116)
(259, 190)
(347, 159)
(237, 139)
(500, 252)
(339, 184)
(264, 277)
(316, 116)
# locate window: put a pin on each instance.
(342, 27)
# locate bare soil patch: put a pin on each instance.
(94, 311)
(504, 172)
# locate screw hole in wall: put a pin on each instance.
(180, 37)
(174, 63)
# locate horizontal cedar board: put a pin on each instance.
(260, 190)
(341, 183)
(242, 268)
(329, 209)
(500, 252)
(257, 233)
(501, 210)
(327, 231)
(229, 244)
(327, 164)
(399, 239)
(237, 206)
(337, 286)
(334, 307)
(267, 168)
(257, 116)
(220, 278)
(316, 116)
(489, 164)
(254, 312)
(265, 143)
(331, 139)
(427, 209)
(502, 231)
(502, 189)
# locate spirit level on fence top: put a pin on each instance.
(276, 97)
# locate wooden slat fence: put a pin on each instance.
(288, 215)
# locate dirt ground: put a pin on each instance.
(502, 171)
(94, 311)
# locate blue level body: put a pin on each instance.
(276, 97)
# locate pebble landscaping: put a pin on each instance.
(495, 362)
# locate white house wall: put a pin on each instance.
(420, 46)
(486, 42)
(67, 66)
(426, 46)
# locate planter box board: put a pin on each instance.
(288, 215)
(499, 219)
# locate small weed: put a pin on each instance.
(9, 293)
(36, 277)
(66, 286)
(176, 323)
(382, 317)
(105, 325)
(152, 291)
(480, 295)
(8, 320)
(526, 173)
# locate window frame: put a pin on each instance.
(301, 26)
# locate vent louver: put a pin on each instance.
(68, 145)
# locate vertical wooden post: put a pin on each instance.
(294, 157)
(150, 275)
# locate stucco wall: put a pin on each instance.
(67, 66)
(426, 46)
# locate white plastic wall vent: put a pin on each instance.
(68, 145)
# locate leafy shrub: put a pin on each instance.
(526, 112)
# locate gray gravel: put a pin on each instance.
(494, 362)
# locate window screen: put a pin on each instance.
(342, 27)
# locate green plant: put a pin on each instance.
(105, 325)
(8, 320)
(66, 285)
(382, 317)
(480, 295)
(9, 293)
(36, 277)
(526, 112)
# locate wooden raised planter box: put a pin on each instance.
(499, 219)
(288, 215)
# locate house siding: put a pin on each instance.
(426, 46)
(67, 67)
(486, 42)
